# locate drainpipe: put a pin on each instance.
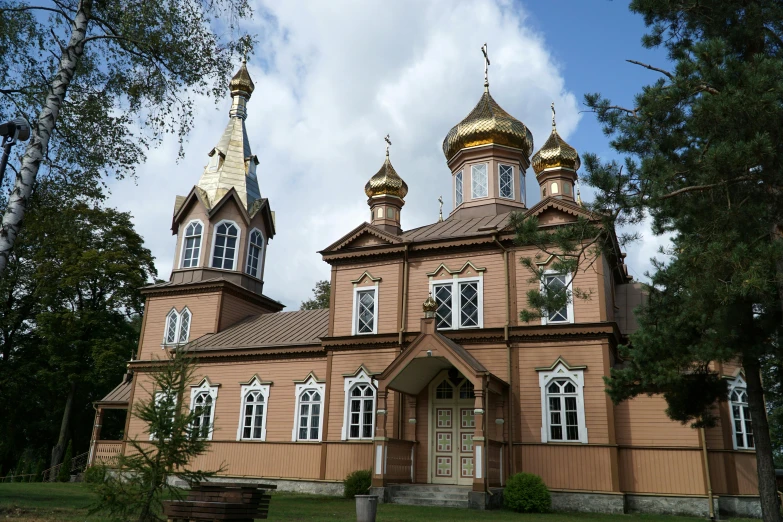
(404, 318)
(707, 472)
(508, 356)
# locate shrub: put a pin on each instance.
(527, 493)
(95, 474)
(65, 470)
(39, 469)
(358, 483)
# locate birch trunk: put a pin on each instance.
(41, 132)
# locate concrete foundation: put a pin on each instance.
(665, 505)
(588, 502)
(381, 493)
(311, 487)
(745, 507)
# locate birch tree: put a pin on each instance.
(102, 81)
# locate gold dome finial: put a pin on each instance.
(430, 306)
(555, 153)
(484, 51)
(386, 182)
(241, 83)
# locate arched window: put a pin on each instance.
(458, 189)
(506, 181)
(479, 185)
(309, 415)
(255, 247)
(172, 323)
(184, 326)
(740, 415)
(191, 244)
(254, 415)
(202, 403)
(466, 390)
(359, 420)
(225, 249)
(444, 390)
(562, 403)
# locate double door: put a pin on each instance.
(451, 435)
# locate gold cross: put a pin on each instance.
(388, 143)
(553, 115)
(486, 65)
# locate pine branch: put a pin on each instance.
(646, 66)
(701, 188)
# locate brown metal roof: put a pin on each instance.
(463, 354)
(453, 228)
(120, 394)
(298, 328)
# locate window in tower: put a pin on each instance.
(191, 244)
(224, 251)
(567, 189)
(553, 188)
(479, 187)
(380, 212)
(522, 188)
(458, 188)
(389, 212)
(365, 310)
(506, 181)
(558, 283)
(255, 248)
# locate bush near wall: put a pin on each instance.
(358, 483)
(527, 493)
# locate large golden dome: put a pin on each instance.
(386, 182)
(488, 123)
(241, 82)
(555, 153)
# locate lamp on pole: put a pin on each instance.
(12, 131)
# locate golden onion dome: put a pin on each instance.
(555, 153)
(430, 305)
(241, 82)
(386, 182)
(488, 123)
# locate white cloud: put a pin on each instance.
(339, 76)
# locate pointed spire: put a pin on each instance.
(440, 212)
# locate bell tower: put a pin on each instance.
(555, 166)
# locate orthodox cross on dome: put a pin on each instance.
(486, 64)
(553, 115)
(440, 212)
(388, 144)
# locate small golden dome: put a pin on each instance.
(555, 153)
(386, 182)
(430, 306)
(488, 123)
(241, 82)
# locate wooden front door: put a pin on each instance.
(451, 429)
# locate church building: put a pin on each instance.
(421, 369)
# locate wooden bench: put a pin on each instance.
(219, 501)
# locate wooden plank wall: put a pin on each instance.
(344, 457)
(582, 467)
(263, 459)
(674, 471)
(733, 473)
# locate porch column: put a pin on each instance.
(479, 441)
(411, 403)
(380, 442)
(96, 432)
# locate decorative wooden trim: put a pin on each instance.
(562, 361)
(364, 228)
(443, 266)
(312, 376)
(205, 381)
(360, 369)
(368, 275)
(201, 287)
(258, 379)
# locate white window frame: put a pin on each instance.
(173, 314)
(253, 386)
(522, 187)
(456, 297)
(214, 241)
(486, 173)
(360, 378)
(212, 391)
(561, 371)
(260, 267)
(459, 189)
(184, 311)
(158, 396)
(300, 388)
(570, 306)
(200, 244)
(739, 382)
(500, 195)
(355, 313)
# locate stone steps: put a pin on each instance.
(430, 495)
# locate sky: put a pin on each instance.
(333, 78)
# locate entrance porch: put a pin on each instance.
(455, 440)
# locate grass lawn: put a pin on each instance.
(69, 502)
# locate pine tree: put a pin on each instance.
(704, 158)
(39, 469)
(64, 474)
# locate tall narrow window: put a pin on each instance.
(255, 247)
(562, 404)
(459, 303)
(366, 310)
(309, 415)
(362, 411)
(479, 187)
(506, 181)
(556, 284)
(202, 404)
(458, 188)
(522, 188)
(224, 252)
(184, 326)
(172, 324)
(191, 245)
(740, 415)
(254, 416)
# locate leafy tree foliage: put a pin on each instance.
(704, 157)
(67, 310)
(101, 81)
(320, 299)
(65, 469)
(170, 442)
